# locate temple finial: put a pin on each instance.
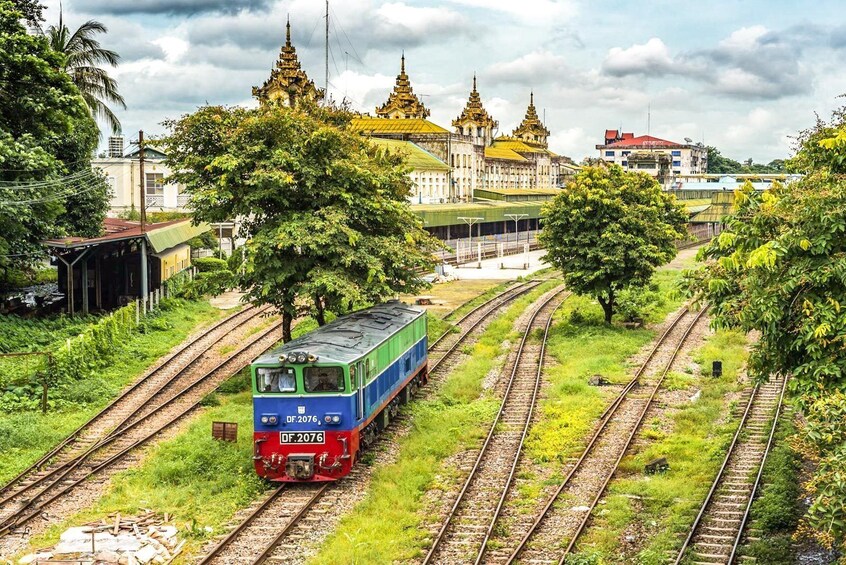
(474, 82)
(531, 98)
(402, 64)
(288, 32)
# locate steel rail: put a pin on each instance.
(633, 433)
(73, 461)
(268, 550)
(483, 451)
(497, 301)
(16, 520)
(123, 395)
(719, 477)
(604, 418)
(513, 470)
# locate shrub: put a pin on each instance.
(210, 264)
(210, 283)
(236, 259)
(634, 304)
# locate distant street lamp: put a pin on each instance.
(470, 221)
(517, 218)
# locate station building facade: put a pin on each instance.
(665, 160)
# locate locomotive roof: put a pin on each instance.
(347, 338)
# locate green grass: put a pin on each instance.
(664, 505)
(388, 524)
(25, 436)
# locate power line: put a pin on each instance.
(34, 185)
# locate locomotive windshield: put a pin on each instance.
(323, 379)
(281, 379)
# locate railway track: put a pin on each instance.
(24, 503)
(470, 521)
(261, 536)
(717, 530)
(119, 410)
(553, 534)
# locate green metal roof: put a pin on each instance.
(174, 234)
(435, 215)
(417, 158)
(720, 207)
(515, 194)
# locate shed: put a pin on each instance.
(127, 262)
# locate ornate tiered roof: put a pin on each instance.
(287, 82)
(474, 112)
(402, 102)
(532, 128)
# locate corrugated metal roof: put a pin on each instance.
(503, 153)
(161, 236)
(720, 207)
(347, 338)
(377, 126)
(435, 215)
(417, 157)
(519, 145)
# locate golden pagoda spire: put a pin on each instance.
(532, 129)
(288, 83)
(402, 102)
(474, 114)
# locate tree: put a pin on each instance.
(32, 11)
(324, 212)
(718, 164)
(609, 230)
(47, 138)
(779, 267)
(83, 55)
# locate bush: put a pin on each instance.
(210, 283)
(634, 304)
(210, 264)
(236, 259)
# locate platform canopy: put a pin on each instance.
(159, 236)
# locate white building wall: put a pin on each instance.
(123, 176)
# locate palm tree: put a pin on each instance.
(82, 55)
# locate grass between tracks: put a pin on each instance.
(27, 435)
(389, 525)
(644, 517)
(199, 481)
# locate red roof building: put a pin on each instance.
(666, 160)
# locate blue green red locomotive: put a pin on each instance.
(319, 399)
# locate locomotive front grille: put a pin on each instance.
(300, 467)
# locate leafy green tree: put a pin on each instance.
(83, 57)
(324, 212)
(779, 267)
(32, 11)
(609, 231)
(46, 135)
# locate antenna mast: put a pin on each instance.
(326, 75)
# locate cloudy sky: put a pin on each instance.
(741, 75)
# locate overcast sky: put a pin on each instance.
(743, 76)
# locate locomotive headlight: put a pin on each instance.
(301, 358)
(269, 419)
(332, 419)
(292, 357)
(312, 358)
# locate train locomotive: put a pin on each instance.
(321, 398)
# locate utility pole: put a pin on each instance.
(326, 75)
(142, 182)
(470, 221)
(517, 218)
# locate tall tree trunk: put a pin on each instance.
(287, 318)
(607, 305)
(320, 311)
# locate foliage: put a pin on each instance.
(777, 509)
(209, 283)
(46, 134)
(635, 303)
(719, 164)
(26, 276)
(209, 264)
(609, 231)
(236, 260)
(206, 240)
(83, 57)
(32, 11)
(779, 267)
(325, 211)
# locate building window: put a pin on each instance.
(609, 153)
(625, 163)
(677, 163)
(676, 153)
(646, 165)
(155, 183)
(624, 153)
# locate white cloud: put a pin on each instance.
(744, 38)
(537, 12)
(540, 65)
(650, 58)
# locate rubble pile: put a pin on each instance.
(122, 540)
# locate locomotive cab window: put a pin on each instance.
(281, 379)
(323, 379)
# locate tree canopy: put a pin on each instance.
(609, 230)
(324, 212)
(720, 164)
(47, 138)
(779, 267)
